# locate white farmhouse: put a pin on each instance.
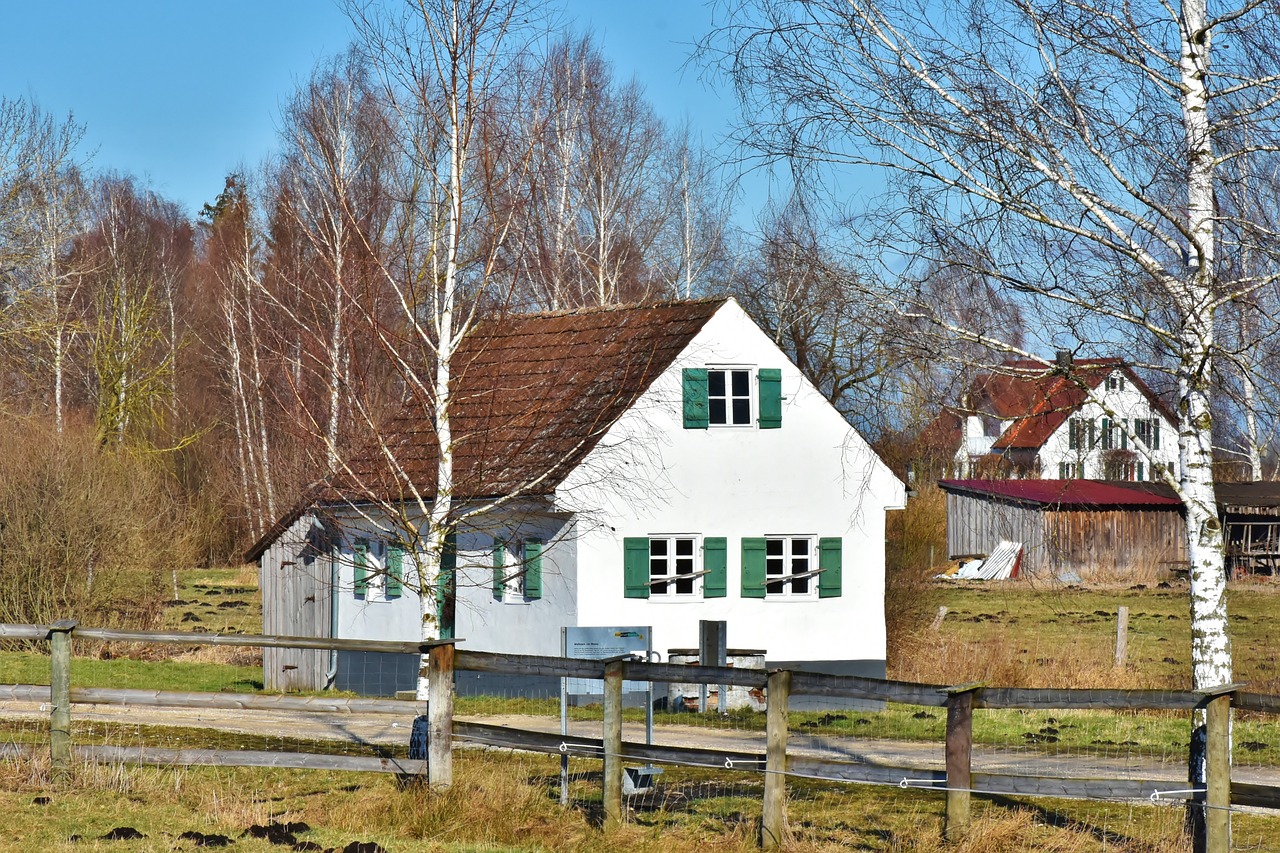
(1079, 419)
(650, 466)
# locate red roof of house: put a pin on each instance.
(1037, 397)
(1068, 493)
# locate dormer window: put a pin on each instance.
(728, 397)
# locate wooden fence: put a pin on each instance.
(1211, 801)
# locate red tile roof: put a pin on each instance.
(1068, 493)
(1037, 398)
(533, 394)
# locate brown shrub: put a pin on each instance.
(89, 532)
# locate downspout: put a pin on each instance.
(332, 674)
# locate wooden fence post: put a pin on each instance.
(774, 820)
(60, 695)
(1217, 818)
(440, 715)
(959, 752)
(1122, 635)
(612, 744)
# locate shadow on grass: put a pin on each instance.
(1059, 820)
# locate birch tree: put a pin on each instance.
(332, 186)
(43, 211)
(443, 68)
(1078, 148)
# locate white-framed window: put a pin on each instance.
(377, 569)
(517, 570)
(1147, 430)
(1070, 470)
(509, 566)
(675, 569)
(730, 400)
(368, 558)
(1115, 382)
(790, 567)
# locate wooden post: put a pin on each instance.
(60, 695)
(959, 754)
(1209, 814)
(774, 822)
(613, 744)
(440, 716)
(1122, 635)
(937, 620)
(1217, 817)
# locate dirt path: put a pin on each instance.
(385, 729)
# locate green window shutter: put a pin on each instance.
(753, 564)
(1155, 433)
(445, 588)
(695, 406)
(499, 569)
(1124, 434)
(715, 561)
(1093, 433)
(770, 381)
(635, 567)
(1073, 432)
(395, 570)
(533, 568)
(360, 566)
(830, 559)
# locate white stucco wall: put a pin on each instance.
(1126, 404)
(813, 476)
(483, 623)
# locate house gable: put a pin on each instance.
(1035, 404)
(739, 499)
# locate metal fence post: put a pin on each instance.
(959, 751)
(612, 743)
(60, 694)
(774, 820)
(440, 715)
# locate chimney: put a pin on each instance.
(1064, 360)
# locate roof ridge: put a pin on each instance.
(611, 308)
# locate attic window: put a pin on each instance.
(727, 397)
(1115, 382)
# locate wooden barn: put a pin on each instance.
(1250, 514)
(1071, 530)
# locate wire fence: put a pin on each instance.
(673, 750)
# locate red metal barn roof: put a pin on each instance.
(1068, 494)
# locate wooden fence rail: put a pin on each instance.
(957, 781)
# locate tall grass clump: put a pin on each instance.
(913, 534)
(90, 531)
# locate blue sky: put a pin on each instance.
(180, 93)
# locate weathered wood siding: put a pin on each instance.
(1137, 544)
(976, 525)
(1103, 545)
(295, 575)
